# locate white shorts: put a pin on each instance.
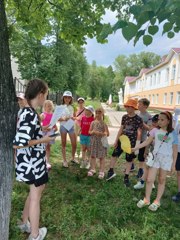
(161, 161)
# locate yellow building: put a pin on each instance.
(160, 84)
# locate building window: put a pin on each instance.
(155, 79)
(173, 71)
(167, 75)
(151, 80)
(159, 77)
(157, 98)
(149, 97)
(153, 99)
(165, 99)
(171, 98)
(178, 98)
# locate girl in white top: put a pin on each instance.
(165, 155)
(69, 114)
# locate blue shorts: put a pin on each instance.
(64, 130)
(84, 140)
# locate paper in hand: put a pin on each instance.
(69, 124)
(58, 113)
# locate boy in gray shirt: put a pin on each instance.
(143, 104)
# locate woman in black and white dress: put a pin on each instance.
(30, 157)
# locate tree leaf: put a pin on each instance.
(176, 29)
(167, 27)
(119, 24)
(129, 31)
(153, 29)
(170, 34)
(153, 21)
(147, 40)
(138, 35)
(135, 10)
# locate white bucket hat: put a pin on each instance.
(90, 108)
(67, 94)
(80, 98)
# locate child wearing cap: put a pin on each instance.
(69, 114)
(143, 104)
(131, 126)
(152, 129)
(80, 112)
(85, 136)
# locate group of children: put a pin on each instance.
(33, 135)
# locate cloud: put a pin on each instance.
(105, 54)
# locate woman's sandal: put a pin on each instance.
(154, 206)
(91, 172)
(101, 175)
(142, 203)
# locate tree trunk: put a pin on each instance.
(8, 108)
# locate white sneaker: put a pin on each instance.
(82, 164)
(87, 165)
(25, 227)
(139, 185)
(41, 236)
(76, 155)
(80, 155)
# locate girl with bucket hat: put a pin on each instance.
(69, 114)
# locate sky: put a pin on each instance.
(105, 54)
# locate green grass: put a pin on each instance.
(77, 207)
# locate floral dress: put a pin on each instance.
(96, 148)
(30, 160)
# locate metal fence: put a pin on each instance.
(56, 97)
(19, 86)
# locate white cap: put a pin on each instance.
(20, 95)
(67, 94)
(90, 108)
(80, 98)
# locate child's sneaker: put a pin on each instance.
(87, 164)
(126, 182)
(74, 161)
(41, 236)
(132, 168)
(140, 173)
(110, 175)
(139, 185)
(25, 227)
(82, 164)
(142, 203)
(176, 198)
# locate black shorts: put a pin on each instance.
(40, 181)
(141, 154)
(118, 151)
(178, 162)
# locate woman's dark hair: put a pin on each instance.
(169, 117)
(34, 87)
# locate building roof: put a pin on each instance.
(176, 50)
(129, 79)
